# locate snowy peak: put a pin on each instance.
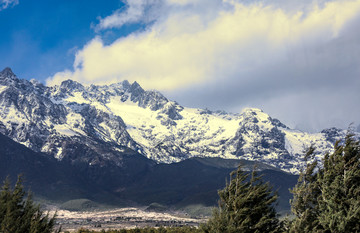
(254, 115)
(43, 119)
(126, 91)
(259, 137)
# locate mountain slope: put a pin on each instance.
(42, 174)
(96, 125)
(190, 182)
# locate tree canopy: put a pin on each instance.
(245, 205)
(19, 214)
(327, 196)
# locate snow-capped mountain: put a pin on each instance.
(31, 114)
(94, 123)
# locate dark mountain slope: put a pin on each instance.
(197, 180)
(44, 175)
(62, 181)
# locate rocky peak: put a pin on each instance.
(136, 91)
(278, 123)
(8, 78)
(126, 85)
(7, 73)
(14, 85)
(70, 85)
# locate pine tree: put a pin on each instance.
(306, 193)
(327, 196)
(21, 216)
(5, 198)
(244, 206)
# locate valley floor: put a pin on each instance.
(122, 218)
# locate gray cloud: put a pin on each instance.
(316, 86)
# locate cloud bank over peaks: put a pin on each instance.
(185, 48)
(7, 3)
(253, 52)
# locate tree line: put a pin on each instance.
(325, 199)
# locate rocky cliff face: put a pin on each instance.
(95, 124)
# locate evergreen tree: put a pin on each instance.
(244, 206)
(306, 193)
(21, 216)
(327, 196)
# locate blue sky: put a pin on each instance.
(40, 37)
(296, 60)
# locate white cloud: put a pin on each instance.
(134, 12)
(235, 49)
(7, 3)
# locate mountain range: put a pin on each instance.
(127, 144)
(94, 123)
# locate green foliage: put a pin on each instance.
(19, 215)
(327, 197)
(244, 206)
